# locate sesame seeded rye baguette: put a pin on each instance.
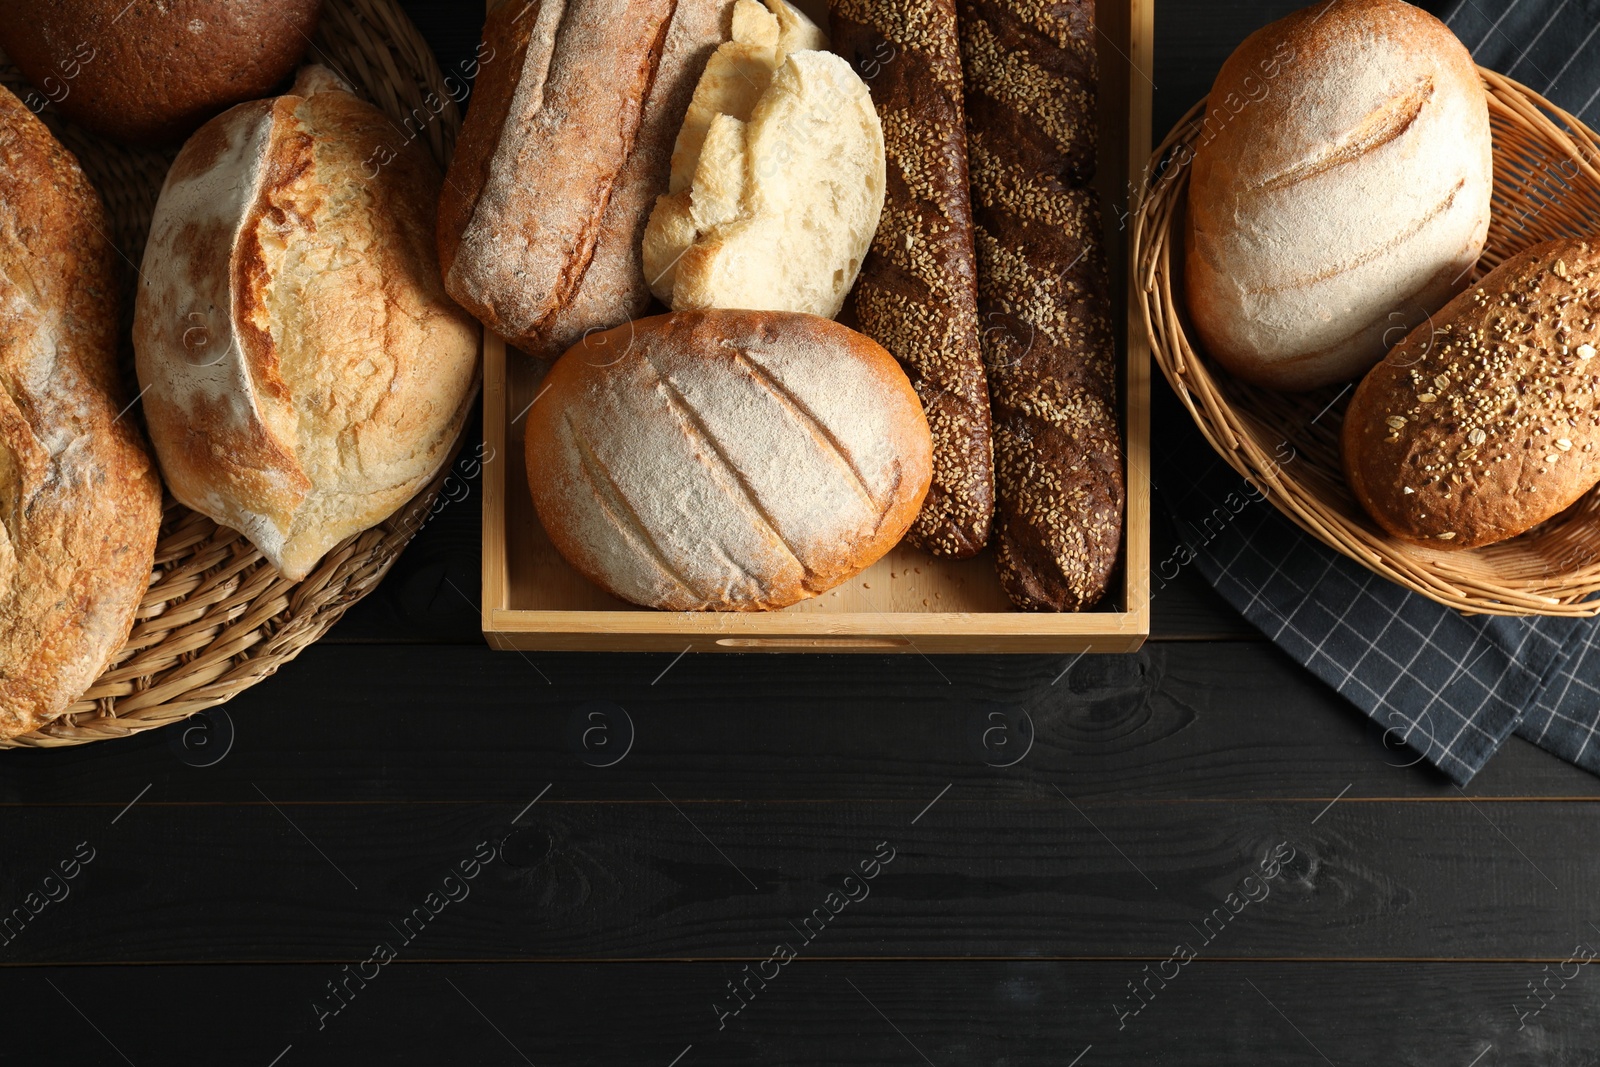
(917, 292)
(1043, 298)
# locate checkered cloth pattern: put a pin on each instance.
(1449, 686)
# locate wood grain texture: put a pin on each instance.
(663, 879)
(891, 1014)
(1186, 721)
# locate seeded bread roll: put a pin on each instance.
(1485, 424)
(1339, 191)
(81, 502)
(1044, 300)
(917, 293)
(726, 460)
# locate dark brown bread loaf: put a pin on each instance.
(1484, 424)
(917, 292)
(151, 73)
(1043, 299)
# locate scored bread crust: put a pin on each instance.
(305, 374)
(80, 504)
(917, 292)
(1340, 191)
(150, 73)
(566, 145)
(726, 460)
(1043, 299)
(1483, 422)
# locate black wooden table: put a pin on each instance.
(406, 848)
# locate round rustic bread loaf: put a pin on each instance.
(1340, 190)
(726, 460)
(150, 73)
(80, 504)
(1484, 424)
(304, 372)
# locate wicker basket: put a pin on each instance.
(1545, 186)
(218, 618)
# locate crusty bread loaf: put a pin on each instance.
(1044, 300)
(82, 504)
(150, 73)
(304, 373)
(1340, 190)
(1486, 423)
(728, 460)
(566, 146)
(917, 293)
(778, 176)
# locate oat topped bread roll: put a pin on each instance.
(1484, 423)
(82, 502)
(917, 293)
(305, 374)
(1044, 299)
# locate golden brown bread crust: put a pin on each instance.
(305, 374)
(151, 73)
(80, 504)
(726, 460)
(917, 291)
(588, 96)
(1339, 191)
(1484, 424)
(1043, 301)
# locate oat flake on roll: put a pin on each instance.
(1484, 424)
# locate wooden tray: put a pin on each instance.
(908, 601)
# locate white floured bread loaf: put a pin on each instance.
(777, 177)
(80, 504)
(728, 460)
(305, 374)
(1340, 191)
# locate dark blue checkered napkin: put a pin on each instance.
(1452, 687)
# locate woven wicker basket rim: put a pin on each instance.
(1552, 570)
(218, 618)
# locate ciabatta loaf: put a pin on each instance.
(305, 374)
(564, 150)
(1340, 190)
(726, 460)
(79, 500)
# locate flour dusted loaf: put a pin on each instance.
(777, 176)
(565, 148)
(304, 372)
(917, 293)
(151, 72)
(726, 460)
(1340, 190)
(82, 504)
(1485, 423)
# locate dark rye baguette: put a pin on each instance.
(917, 291)
(1043, 299)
